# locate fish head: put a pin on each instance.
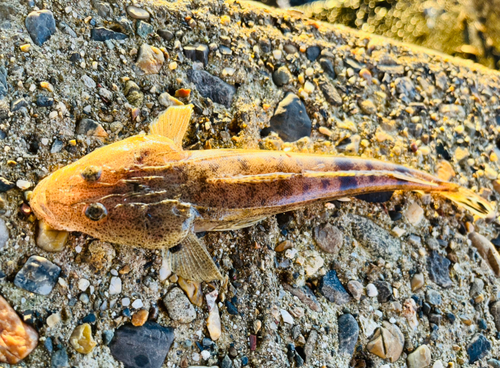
(95, 195)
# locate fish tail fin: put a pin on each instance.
(469, 200)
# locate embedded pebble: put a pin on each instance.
(371, 290)
(38, 275)
(178, 306)
(437, 266)
(420, 358)
(150, 59)
(212, 87)
(18, 338)
(332, 289)
(281, 76)
(102, 34)
(348, 333)
(4, 233)
(355, 288)
(287, 317)
(89, 128)
(144, 346)
(417, 281)
(144, 29)
(82, 340)
(140, 317)
(115, 285)
(478, 348)
(331, 93)
(433, 297)
(387, 342)
(487, 251)
(414, 214)
(313, 52)
(290, 120)
(137, 13)
(329, 238)
(41, 25)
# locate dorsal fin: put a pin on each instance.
(173, 123)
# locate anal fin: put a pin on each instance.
(191, 261)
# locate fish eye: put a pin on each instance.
(91, 173)
(96, 211)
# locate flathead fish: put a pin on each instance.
(146, 191)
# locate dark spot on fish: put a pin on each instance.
(347, 182)
(91, 173)
(346, 165)
(305, 187)
(368, 166)
(325, 183)
(176, 248)
(380, 197)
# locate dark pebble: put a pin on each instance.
(87, 127)
(327, 66)
(153, 312)
(451, 317)
(206, 342)
(3, 82)
(332, 289)
(103, 34)
(437, 266)
(38, 275)
(332, 96)
(426, 308)
(41, 25)
(107, 336)
(144, 29)
(244, 360)
(435, 318)
(18, 104)
(299, 361)
(443, 152)
(494, 363)
(60, 359)
(496, 241)
(381, 197)
(478, 348)
(90, 318)
(5, 185)
(290, 119)
(265, 45)
(75, 57)
(212, 87)
(384, 291)
(226, 362)
(406, 88)
(44, 101)
(126, 313)
(354, 64)
(395, 215)
(313, 52)
(482, 324)
(166, 34)
(348, 333)
(57, 146)
(231, 308)
(281, 76)
(144, 346)
(197, 53)
(433, 297)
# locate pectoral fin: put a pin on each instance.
(173, 123)
(191, 261)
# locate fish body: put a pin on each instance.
(146, 191)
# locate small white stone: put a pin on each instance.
(290, 253)
(114, 272)
(287, 317)
(277, 54)
(438, 364)
(115, 286)
(371, 290)
(89, 82)
(125, 302)
(23, 184)
(414, 214)
(78, 249)
(137, 304)
(196, 357)
(44, 141)
(205, 354)
(53, 319)
(398, 231)
(4, 233)
(83, 284)
(308, 87)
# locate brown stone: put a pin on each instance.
(140, 317)
(150, 59)
(487, 251)
(17, 339)
(192, 290)
(281, 247)
(329, 238)
(387, 342)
